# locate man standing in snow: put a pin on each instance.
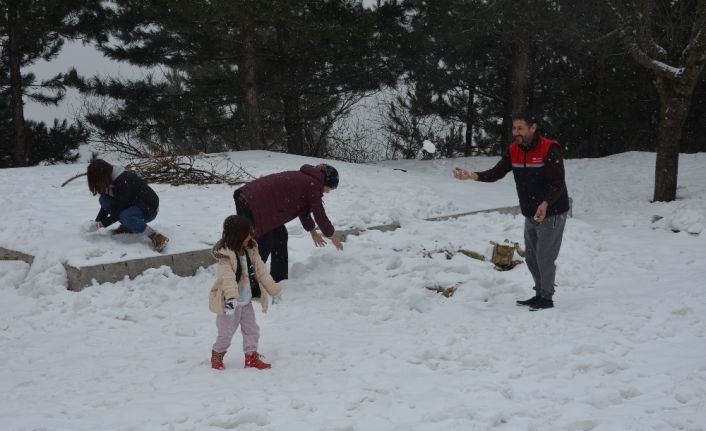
(271, 201)
(538, 167)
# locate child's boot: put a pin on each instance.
(217, 360)
(159, 241)
(254, 360)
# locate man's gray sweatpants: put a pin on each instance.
(542, 244)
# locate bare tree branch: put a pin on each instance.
(639, 44)
(695, 50)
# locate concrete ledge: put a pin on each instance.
(343, 234)
(7, 254)
(183, 264)
(505, 210)
(515, 210)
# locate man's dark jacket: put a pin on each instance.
(539, 175)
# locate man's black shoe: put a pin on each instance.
(541, 304)
(529, 302)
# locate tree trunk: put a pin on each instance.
(290, 98)
(674, 109)
(470, 120)
(596, 136)
(15, 56)
(293, 124)
(518, 83)
(675, 89)
(255, 133)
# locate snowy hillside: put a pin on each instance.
(358, 342)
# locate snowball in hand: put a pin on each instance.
(90, 226)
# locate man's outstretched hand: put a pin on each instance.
(462, 174)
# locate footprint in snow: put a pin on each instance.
(241, 419)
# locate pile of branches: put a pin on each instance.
(181, 170)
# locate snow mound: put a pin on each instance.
(681, 220)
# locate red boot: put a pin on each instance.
(254, 360)
(217, 360)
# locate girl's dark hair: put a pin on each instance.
(99, 174)
(235, 229)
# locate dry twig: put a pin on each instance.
(72, 178)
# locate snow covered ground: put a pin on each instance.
(359, 343)
(44, 219)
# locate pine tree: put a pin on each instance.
(459, 80)
(31, 30)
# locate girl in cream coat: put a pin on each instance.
(242, 277)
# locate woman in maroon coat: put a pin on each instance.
(271, 201)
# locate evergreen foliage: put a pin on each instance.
(30, 31)
(309, 61)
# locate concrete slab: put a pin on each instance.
(183, 264)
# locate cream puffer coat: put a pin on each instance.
(226, 286)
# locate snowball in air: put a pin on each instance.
(428, 146)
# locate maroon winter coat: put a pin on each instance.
(278, 198)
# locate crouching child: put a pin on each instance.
(124, 197)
